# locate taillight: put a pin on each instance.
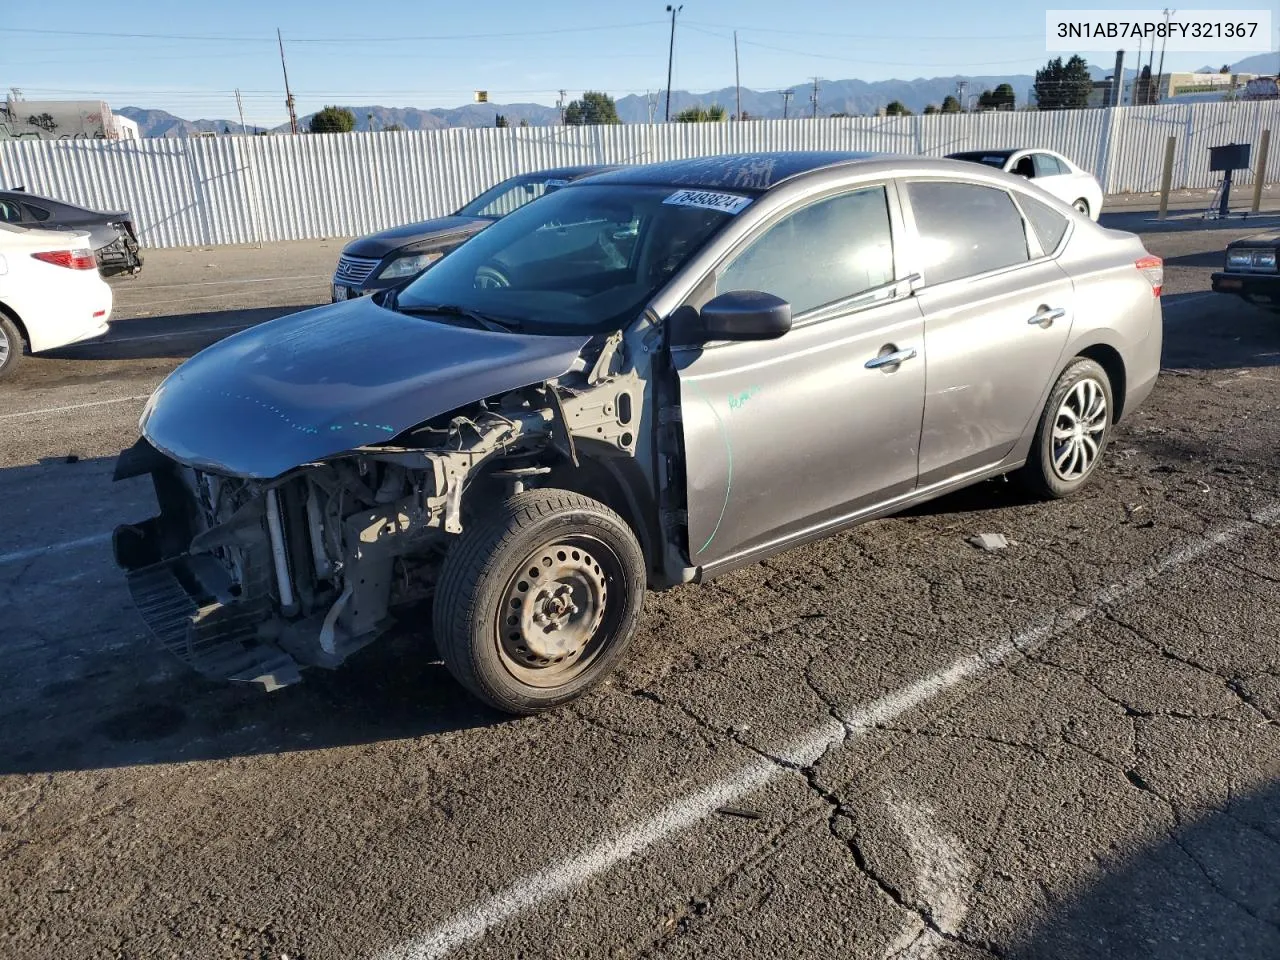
(1152, 268)
(81, 259)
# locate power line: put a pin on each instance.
(864, 36)
(344, 41)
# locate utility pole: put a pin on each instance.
(560, 107)
(240, 107)
(786, 98)
(813, 97)
(1151, 56)
(961, 87)
(288, 94)
(651, 101)
(1168, 14)
(737, 77)
(1137, 73)
(671, 53)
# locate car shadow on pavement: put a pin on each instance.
(179, 335)
(1208, 889)
(1217, 331)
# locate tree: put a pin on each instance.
(950, 104)
(931, 109)
(524, 122)
(896, 108)
(1062, 86)
(333, 120)
(226, 129)
(1001, 98)
(594, 108)
(1226, 68)
(393, 128)
(500, 121)
(712, 114)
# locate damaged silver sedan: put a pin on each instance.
(646, 378)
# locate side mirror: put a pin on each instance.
(745, 315)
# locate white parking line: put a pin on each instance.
(20, 556)
(74, 406)
(175, 334)
(561, 877)
(1188, 298)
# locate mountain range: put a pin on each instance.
(853, 97)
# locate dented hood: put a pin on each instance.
(317, 383)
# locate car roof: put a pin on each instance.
(754, 172)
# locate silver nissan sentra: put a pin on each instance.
(646, 378)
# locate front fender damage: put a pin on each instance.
(251, 580)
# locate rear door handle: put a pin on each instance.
(1046, 316)
(890, 359)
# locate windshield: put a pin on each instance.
(508, 196)
(580, 260)
(977, 156)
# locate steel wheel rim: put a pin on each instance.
(1081, 206)
(4, 347)
(560, 610)
(1078, 430)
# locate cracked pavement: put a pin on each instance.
(1069, 748)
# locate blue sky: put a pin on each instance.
(431, 54)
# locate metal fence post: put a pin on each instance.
(1166, 177)
(1260, 174)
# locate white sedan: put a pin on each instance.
(51, 293)
(1051, 172)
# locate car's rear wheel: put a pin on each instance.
(1073, 431)
(1082, 205)
(11, 345)
(538, 602)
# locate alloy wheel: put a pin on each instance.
(1078, 429)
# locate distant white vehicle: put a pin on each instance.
(51, 293)
(1051, 172)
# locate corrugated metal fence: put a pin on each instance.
(255, 189)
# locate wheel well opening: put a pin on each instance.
(1109, 359)
(17, 322)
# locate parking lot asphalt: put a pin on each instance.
(888, 744)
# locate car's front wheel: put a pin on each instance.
(1073, 431)
(538, 602)
(11, 344)
(1082, 205)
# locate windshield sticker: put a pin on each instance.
(724, 202)
(550, 184)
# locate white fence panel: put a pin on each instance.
(262, 189)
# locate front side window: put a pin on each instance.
(583, 259)
(965, 229)
(830, 250)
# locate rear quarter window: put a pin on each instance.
(965, 229)
(37, 213)
(1050, 225)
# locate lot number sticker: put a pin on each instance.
(724, 202)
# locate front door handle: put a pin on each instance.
(1045, 316)
(890, 359)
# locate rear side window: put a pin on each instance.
(37, 213)
(965, 229)
(1047, 166)
(830, 250)
(1048, 223)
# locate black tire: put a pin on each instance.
(1082, 205)
(541, 550)
(11, 345)
(1040, 475)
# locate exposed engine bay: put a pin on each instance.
(250, 579)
